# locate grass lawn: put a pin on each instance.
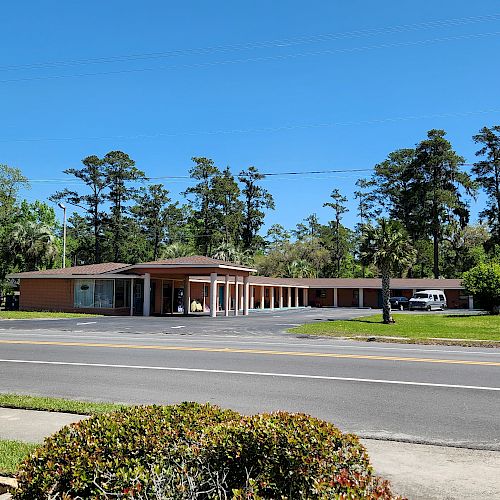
(412, 326)
(12, 453)
(55, 404)
(45, 314)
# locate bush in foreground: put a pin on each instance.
(198, 451)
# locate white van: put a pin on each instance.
(427, 300)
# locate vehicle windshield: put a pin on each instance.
(421, 296)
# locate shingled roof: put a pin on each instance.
(89, 269)
(193, 261)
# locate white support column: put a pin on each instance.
(361, 300)
(471, 302)
(227, 296)
(187, 295)
(296, 296)
(262, 295)
(236, 296)
(335, 297)
(252, 297)
(271, 298)
(289, 297)
(280, 297)
(146, 304)
(213, 295)
(132, 297)
(246, 293)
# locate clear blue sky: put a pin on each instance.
(315, 102)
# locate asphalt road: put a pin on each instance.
(427, 394)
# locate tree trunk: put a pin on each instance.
(435, 238)
(386, 294)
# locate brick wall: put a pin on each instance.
(56, 295)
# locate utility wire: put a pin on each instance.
(265, 174)
(284, 42)
(257, 129)
(259, 59)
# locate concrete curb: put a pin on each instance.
(7, 484)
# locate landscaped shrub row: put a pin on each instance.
(199, 451)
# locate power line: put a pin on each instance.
(258, 129)
(284, 42)
(265, 174)
(258, 59)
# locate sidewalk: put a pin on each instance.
(415, 471)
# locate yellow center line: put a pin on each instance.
(252, 351)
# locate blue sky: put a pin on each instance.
(282, 85)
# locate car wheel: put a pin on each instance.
(429, 308)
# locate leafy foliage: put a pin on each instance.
(483, 282)
(199, 451)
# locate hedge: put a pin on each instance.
(199, 451)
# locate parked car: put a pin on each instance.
(399, 303)
(427, 300)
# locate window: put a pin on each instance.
(84, 293)
(103, 294)
(98, 293)
(122, 293)
(441, 297)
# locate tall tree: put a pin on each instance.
(487, 172)
(436, 184)
(388, 247)
(339, 249)
(120, 170)
(367, 200)
(11, 182)
(94, 177)
(392, 180)
(156, 215)
(228, 207)
(256, 200)
(203, 218)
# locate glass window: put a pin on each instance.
(122, 293)
(84, 293)
(103, 294)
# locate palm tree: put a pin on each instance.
(175, 250)
(300, 269)
(34, 245)
(388, 247)
(230, 253)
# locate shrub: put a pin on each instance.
(483, 282)
(199, 451)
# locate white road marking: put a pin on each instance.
(255, 374)
(87, 323)
(176, 327)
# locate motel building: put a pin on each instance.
(201, 285)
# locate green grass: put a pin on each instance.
(56, 404)
(43, 314)
(411, 326)
(12, 453)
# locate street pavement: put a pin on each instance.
(392, 395)
(423, 394)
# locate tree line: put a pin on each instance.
(118, 214)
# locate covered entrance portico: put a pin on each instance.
(166, 289)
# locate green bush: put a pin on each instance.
(483, 282)
(199, 451)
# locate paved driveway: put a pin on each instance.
(265, 322)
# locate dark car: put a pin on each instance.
(399, 303)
